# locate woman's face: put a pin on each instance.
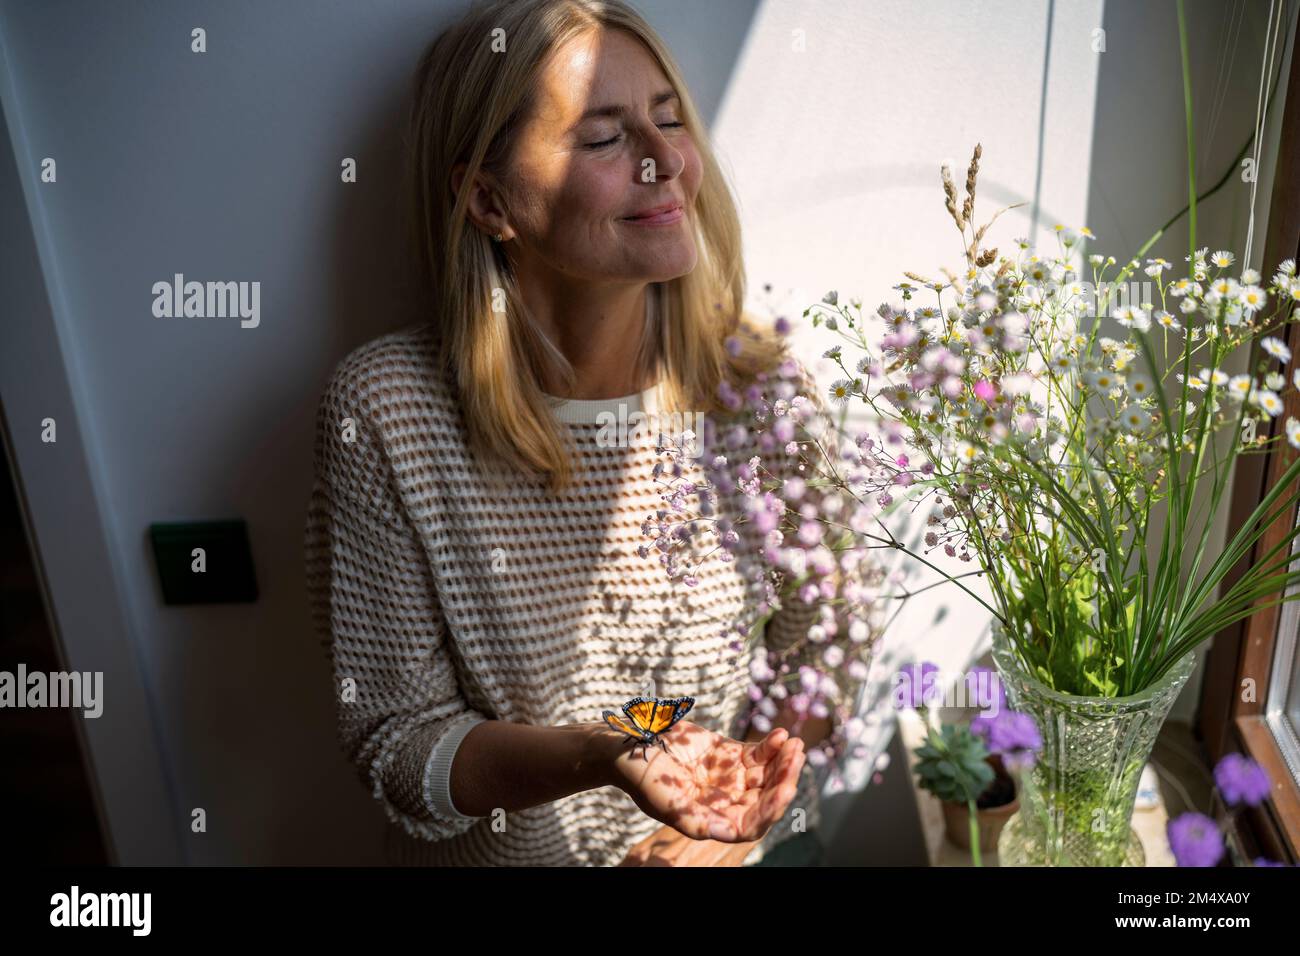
(575, 179)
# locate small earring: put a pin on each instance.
(497, 237)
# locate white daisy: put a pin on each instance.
(1276, 348)
(1223, 258)
(1139, 386)
(1102, 381)
(1131, 317)
(1240, 386)
(1252, 298)
(1225, 287)
(1134, 419)
(1293, 432)
(1269, 401)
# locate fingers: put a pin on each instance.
(766, 772)
(767, 748)
(781, 788)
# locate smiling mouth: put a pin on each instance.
(661, 218)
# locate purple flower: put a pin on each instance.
(1265, 861)
(1011, 734)
(1241, 780)
(782, 326)
(914, 686)
(984, 390)
(1195, 840)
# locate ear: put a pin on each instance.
(484, 208)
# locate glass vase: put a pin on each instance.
(1076, 801)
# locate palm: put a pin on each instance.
(705, 778)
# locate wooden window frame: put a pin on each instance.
(1226, 723)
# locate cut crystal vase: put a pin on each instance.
(1076, 801)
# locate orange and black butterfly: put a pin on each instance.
(645, 719)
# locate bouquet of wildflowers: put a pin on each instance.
(1079, 469)
(790, 533)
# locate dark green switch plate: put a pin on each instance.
(227, 575)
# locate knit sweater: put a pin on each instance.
(444, 600)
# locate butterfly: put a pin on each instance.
(648, 717)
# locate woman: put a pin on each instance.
(473, 534)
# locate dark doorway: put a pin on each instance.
(45, 795)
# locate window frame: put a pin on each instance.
(1248, 649)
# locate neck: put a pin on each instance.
(598, 329)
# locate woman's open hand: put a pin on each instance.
(708, 786)
(669, 847)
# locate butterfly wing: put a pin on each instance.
(655, 715)
(671, 711)
(621, 725)
(641, 712)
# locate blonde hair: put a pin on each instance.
(467, 106)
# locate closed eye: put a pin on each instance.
(615, 139)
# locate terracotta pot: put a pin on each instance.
(990, 820)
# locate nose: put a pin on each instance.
(668, 160)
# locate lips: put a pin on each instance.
(654, 211)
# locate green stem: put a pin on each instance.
(1187, 107)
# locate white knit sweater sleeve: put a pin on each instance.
(375, 606)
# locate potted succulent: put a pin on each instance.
(995, 804)
(966, 765)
